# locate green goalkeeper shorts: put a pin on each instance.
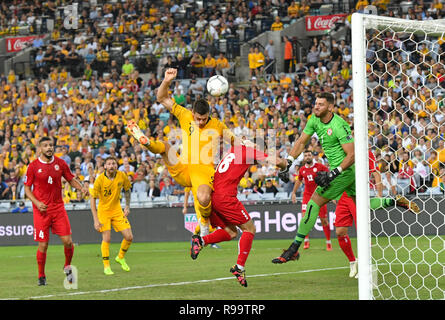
(344, 182)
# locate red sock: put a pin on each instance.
(345, 245)
(41, 260)
(244, 246)
(219, 235)
(68, 255)
(327, 232)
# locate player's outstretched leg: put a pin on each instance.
(197, 245)
(137, 133)
(239, 274)
(400, 201)
(288, 255)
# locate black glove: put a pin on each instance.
(284, 174)
(324, 178)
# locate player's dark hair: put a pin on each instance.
(45, 138)
(111, 158)
(201, 106)
(328, 96)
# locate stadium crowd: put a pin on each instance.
(88, 83)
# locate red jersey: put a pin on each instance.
(232, 168)
(372, 167)
(47, 180)
(308, 174)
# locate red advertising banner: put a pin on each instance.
(19, 43)
(319, 23)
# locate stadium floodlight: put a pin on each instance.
(401, 255)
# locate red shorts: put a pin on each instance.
(227, 210)
(55, 218)
(346, 212)
(323, 210)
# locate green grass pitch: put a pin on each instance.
(165, 271)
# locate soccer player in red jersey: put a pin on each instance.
(227, 211)
(306, 174)
(43, 186)
(346, 215)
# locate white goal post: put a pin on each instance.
(408, 281)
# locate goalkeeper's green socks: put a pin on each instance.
(307, 222)
(380, 203)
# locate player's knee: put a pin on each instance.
(128, 238)
(204, 198)
(341, 231)
(248, 227)
(232, 233)
(43, 246)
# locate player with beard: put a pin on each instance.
(43, 186)
(107, 188)
(337, 142)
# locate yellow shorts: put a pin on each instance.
(180, 173)
(117, 220)
(192, 175)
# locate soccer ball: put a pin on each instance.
(217, 85)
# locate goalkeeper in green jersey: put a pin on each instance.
(337, 142)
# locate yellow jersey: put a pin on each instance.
(108, 191)
(205, 140)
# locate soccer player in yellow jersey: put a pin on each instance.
(107, 188)
(200, 137)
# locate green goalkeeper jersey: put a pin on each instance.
(331, 135)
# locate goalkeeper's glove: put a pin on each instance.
(324, 178)
(284, 174)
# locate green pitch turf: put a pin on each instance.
(165, 271)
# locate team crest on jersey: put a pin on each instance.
(315, 169)
(56, 167)
(329, 132)
(39, 171)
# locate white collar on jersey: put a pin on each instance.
(52, 160)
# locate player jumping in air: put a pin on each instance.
(43, 186)
(107, 188)
(228, 212)
(307, 173)
(338, 144)
(195, 168)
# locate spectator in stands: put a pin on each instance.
(153, 190)
(270, 187)
(277, 25)
(21, 208)
(5, 190)
(222, 65)
(288, 54)
(167, 189)
(209, 66)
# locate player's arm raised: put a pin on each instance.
(162, 95)
(296, 150)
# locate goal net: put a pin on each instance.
(399, 113)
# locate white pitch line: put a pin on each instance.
(171, 284)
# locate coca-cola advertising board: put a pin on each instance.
(320, 23)
(19, 43)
